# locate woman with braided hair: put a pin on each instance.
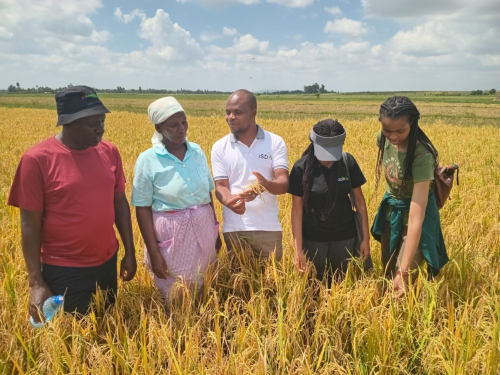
(323, 223)
(407, 223)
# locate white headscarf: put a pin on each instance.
(159, 111)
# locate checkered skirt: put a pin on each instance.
(186, 240)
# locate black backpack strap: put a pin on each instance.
(351, 194)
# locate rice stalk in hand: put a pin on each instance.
(256, 188)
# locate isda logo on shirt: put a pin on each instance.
(341, 179)
(266, 156)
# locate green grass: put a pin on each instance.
(419, 96)
(457, 110)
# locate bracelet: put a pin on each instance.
(403, 272)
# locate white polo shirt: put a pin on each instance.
(234, 161)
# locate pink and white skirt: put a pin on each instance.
(186, 239)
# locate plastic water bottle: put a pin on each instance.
(50, 308)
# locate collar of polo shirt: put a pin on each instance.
(260, 135)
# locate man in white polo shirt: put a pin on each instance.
(248, 154)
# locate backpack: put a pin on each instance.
(443, 181)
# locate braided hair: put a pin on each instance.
(325, 128)
(398, 107)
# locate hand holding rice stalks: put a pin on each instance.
(255, 188)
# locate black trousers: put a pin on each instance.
(329, 258)
(79, 284)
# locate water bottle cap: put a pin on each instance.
(59, 299)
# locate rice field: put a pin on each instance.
(272, 320)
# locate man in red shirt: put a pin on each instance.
(71, 190)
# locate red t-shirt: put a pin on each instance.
(74, 189)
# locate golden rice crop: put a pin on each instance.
(273, 320)
(256, 189)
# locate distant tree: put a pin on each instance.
(492, 91)
(70, 85)
(122, 90)
(313, 89)
(140, 89)
(477, 92)
(322, 89)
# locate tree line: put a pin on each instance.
(17, 89)
(314, 89)
(485, 92)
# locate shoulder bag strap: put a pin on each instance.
(351, 195)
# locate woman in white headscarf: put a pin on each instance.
(172, 195)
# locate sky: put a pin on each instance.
(347, 45)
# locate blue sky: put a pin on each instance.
(281, 26)
(348, 45)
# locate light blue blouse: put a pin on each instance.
(168, 184)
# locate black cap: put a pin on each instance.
(77, 102)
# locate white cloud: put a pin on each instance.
(222, 3)
(5, 34)
(100, 37)
(322, 52)
(39, 26)
(454, 32)
(408, 8)
(346, 27)
(435, 39)
(271, 65)
(429, 39)
(282, 53)
(248, 44)
(376, 50)
(170, 42)
(491, 61)
(229, 32)
(219, 3)
(53, 42)
(333, 10)
(58, 39)
(355, 47)
(126, 18)
(485, 13)
(209, 36)
(292, 3)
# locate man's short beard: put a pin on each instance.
(240, 130)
